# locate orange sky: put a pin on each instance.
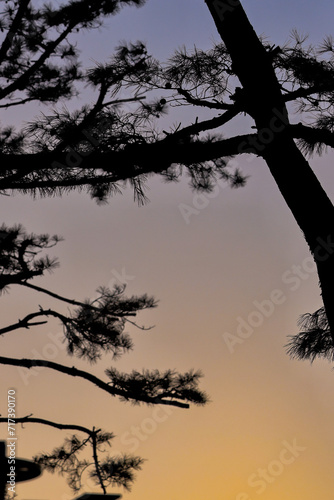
(267, 432)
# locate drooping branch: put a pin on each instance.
(90, 332)
(96, 326)
(125, 386)
(55, 295)
(117, 313)
(35, 420)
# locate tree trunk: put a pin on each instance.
(262, 99)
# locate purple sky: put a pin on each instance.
(210, 271)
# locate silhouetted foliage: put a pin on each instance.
(98, 325)
(18, 255)
(93, 328)
(105, 145)
(314, 340)
(111, 471)
(68, 143)
(155, 386)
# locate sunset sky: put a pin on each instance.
(237, 263)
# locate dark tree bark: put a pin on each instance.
(96, 151)
(262, 99)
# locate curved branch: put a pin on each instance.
(56, 296)
(74, 372)
(79, 304)
(25, 322)
(34, 420)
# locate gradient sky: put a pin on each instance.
(267, 432)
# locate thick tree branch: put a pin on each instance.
(304, 92)
(117, 166)
(11, 279)
(314, 135)
(262, 97)
(141, 159)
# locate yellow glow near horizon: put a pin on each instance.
(267, 431)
